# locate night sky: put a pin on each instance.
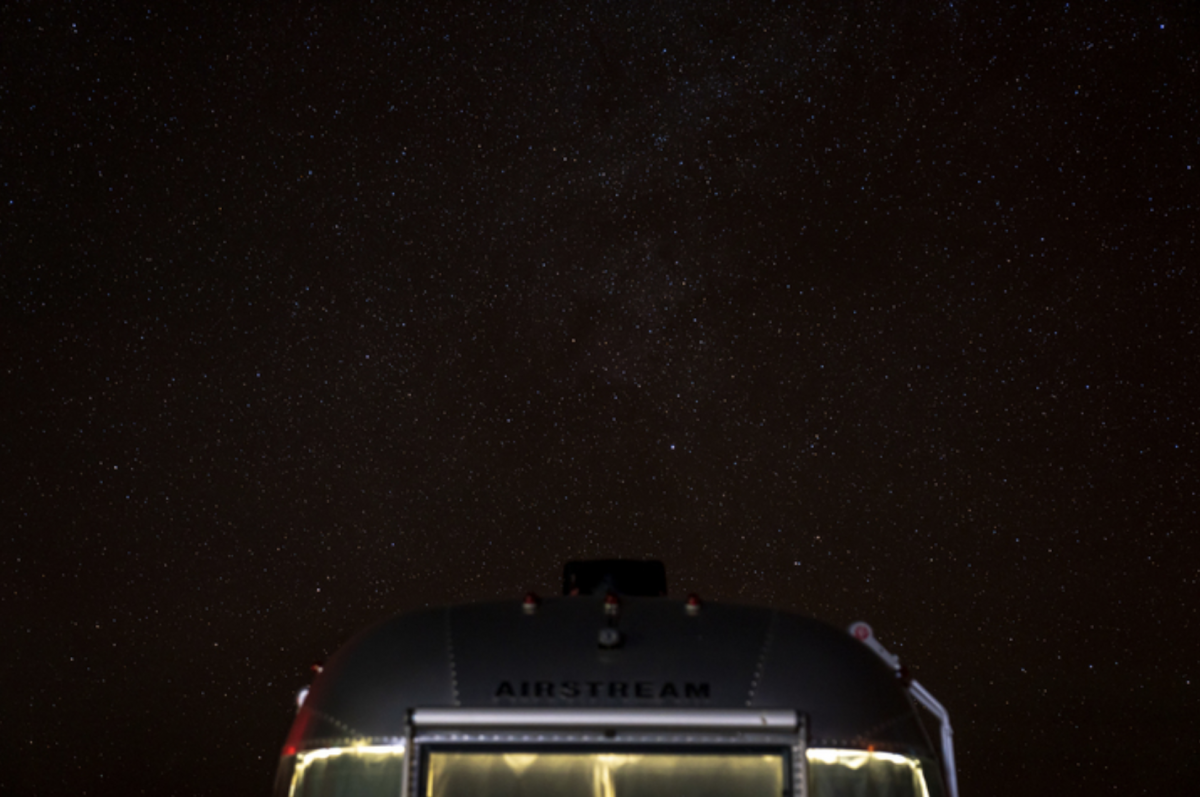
(867, 310)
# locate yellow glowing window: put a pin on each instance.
(343, 771)
(563, 774)
(377, 769)
(862, 773)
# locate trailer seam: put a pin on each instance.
(768, 639)
(450, 653)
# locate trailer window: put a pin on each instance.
(345, 772)
(565, 774)
(376, 769)
(862, 773)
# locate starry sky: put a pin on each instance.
(866, 310)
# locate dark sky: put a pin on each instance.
(867, 310)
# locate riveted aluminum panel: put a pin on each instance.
(495, 656)
(848, 693)
(368, 687)
(551, 658)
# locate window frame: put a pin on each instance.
(589, 730)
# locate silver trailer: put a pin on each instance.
(613, 691)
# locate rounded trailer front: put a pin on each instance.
(611, 695)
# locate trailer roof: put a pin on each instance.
(504, 654)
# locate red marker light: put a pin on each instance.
(693, 605)
(612, 604)
(317, 667)
(531, 603)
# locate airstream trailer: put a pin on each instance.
(614, 690)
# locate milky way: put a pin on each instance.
(864, 310)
